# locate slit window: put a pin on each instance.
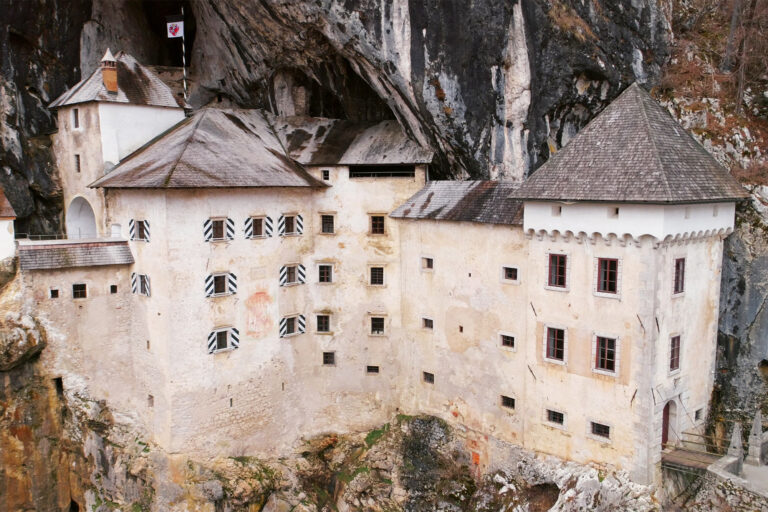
(79, 291)
(326, 175)
(327, 224)
(382, 171)
(555, 417)
(323, 323)
(377, 225)
(557, 270)
(555, 344)
(429, 378)
(605, 358)
(674, 353)
(600, 430)
(77, 163)
(377, 276)
(607, 275)
(329, 358)
(372, 369)
(75, 118)
(325, 273)
(508, 402)
(679, 275)
(377, 325)
(507, 341)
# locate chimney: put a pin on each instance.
(109, 72)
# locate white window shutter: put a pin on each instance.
(283, 327)
(283, 275)
(207, 230)
(299, 224)
(302, 323)
(134, 283)
(301, 272)
(231, 283)
(209, 285)
(249, 228)
(268, 226)
(234, 338)
(230, 227)
(132, 229)
(212, 342)
(281, 226)
(146, 230)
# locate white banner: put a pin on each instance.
(175, 29)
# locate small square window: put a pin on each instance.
(679, 275)
(508, 402)
(429, 378)
(377, 276)
(326, 222)
(326, 174)
(54, 293)
(79, 291)
(323, 323)
(427, 323)
(377, 325)
(217, 229)
(377, 225)
(372, 369)
(509, 273)
(77, 163)
(290, 224)
(555, 417)
(598, 429)
(427, 263)
(219, 284)
(113, 289)
(698, 414)
(325, 273)
(329, 358)
(507, 340)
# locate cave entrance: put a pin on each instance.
(169, 51)
(81, 222)
(73, 506)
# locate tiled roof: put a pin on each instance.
(72, 253)
(136, 84)
(6, 210)
(469, 201)
(214, 148)
(633, 151)
(318, 141)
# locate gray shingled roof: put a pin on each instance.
(318, 141)
(214, 148)
(72, 253)
(469, 201)
(6, 210)
(136, 85)
(633, 151)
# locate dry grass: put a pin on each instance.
(568, 20)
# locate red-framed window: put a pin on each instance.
(555, 343)
(607, 275)
(605, 355)
(674, 353)
(557, 270)
(679, 275)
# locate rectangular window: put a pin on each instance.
(222, 341)
(113, 289)
(54, 293)
(555, 344)
(427, 263)
(257, 226)
(329, 358)
(377, 276)
(509, 273)
(605, 358)
(427, 323)
(290, 225)
(507, 341)
(698, 414)
(377, 224)
(429, 378)
(144, 284)
(679, 275)
(290, 273)
(325, 273)
(598, 429)
(75, 118)
(557, 270)
(326, 175)
(290, 325)
(607, 275)
(79, 291)
(674, 353)
(217, 229)
(323, 323)
(326, 222)
(77, 163)
(555, 417)
(377, 325)
(220, 284)
(382, 171)
(508, 402)
(141, 230)
(372, 369)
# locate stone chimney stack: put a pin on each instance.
(109, 72)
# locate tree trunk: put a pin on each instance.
(727, 64)
(747, 34)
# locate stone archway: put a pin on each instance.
(81, 221)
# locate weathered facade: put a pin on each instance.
(294, 276)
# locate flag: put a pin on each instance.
(175, 26)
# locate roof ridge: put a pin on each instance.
(649, 134)
(186, 144)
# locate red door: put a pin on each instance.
(665, 426)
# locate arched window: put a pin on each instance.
(81, 222)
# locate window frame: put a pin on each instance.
(76, 124)
(332, 358)
(427, 323)
(552, 424)
(54, 293)
(325, 174)
(320, 267)
(377, 266)
(327, 316)
(323, 217)
(428, 378)
(78, 163)
(503, 275)
(678, 279)
(295, 268)
(227, 330)
(424, 260)
(545, 343)
(591, 424)
(262, 222)
(293, 320)
(670, 353)
(507, 407)
(144, 285)
(368, 368)
(616, 354)
(293, 231)
(567, 277)
(597, 278)
(224, 276)
(513, 347)
(372, 229)
(383, 319)
(76, 295)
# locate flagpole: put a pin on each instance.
(184, 57)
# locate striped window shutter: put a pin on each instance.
(134, 283)
(132, 229)
(283, 275)
(299, 224)
(249, 228)
(281, 226)
(209, 285)
(283, 327)
(146, 230)
(208, 230)
(230, 227)
(302, 323)
(212, 342)
(145, 278)
(234, 338)
(231, 283)
(268, 226)
(301, 273)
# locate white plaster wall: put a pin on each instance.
(7, 239)
(125, 128)
(637, 220)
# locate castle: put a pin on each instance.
(233, 280)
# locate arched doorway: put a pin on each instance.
(81, 222)
(669, 425)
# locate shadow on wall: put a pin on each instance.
(81, 221)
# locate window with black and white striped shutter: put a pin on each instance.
(281, 225)
(299, 325)
(134, 282)
(230, 226)
(248, 228)
(208, 230)
(144, 287)
(132, 229)
(299, 224)
(268, 226)
(230, 284)
(293, 274)
(301, 274)
(138, 230)
(302, 324)
(232, 336)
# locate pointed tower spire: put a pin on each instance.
(736, 449)
(109, 72)
(754, 455)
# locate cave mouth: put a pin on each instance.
(542, 497)
(169, 51)
(73, 506)
(763, 367)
